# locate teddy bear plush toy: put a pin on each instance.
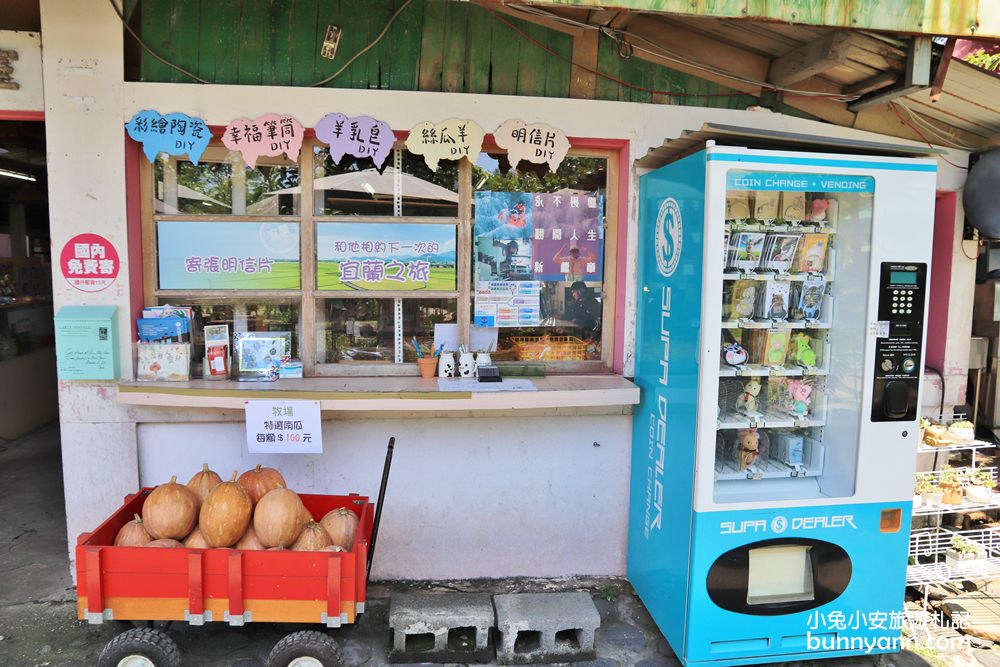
(748, 401)
(748, 451)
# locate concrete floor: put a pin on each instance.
(38, 623)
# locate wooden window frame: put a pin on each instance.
(307, 296)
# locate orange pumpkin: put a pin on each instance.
(204, 481)
(342, 525)
(196, 540)
(133, 534)
(166, 544)
(313, 538)
(249, 542)
(170, 511)
(278, 518)
(259, 481)
(225, 515)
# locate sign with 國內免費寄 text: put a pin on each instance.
(174, 134)
(507, 303)
(270, 134)
(538, 143)
(391, 256)
(360, 136)
(89, 262)
(284, 427)
(228, 255)
(450, 139)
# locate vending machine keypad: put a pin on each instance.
(899, 347)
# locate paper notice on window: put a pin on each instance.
(504, 303)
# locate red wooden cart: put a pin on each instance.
(232, 586)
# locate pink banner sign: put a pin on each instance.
(360, 136)
(271, 134)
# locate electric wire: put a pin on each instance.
(895, 109)
(946, 139)
(150, 51)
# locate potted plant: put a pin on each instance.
(963, 553)
(951, 487)
(980, 487)
(924, 423)
(930, 493)
(919, 485)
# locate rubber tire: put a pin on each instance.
(305, 643)
(147, 642)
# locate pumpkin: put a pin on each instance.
(170, 511)
(133, 534)
(280, 547)
(166, 543)
(341, 524)
(196, 540)
(249, 542)
(278, 518)
(204, 481)
(313, 538)
(259, 481)
(225, 514)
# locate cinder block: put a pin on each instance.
(545, 627)
(441, 627)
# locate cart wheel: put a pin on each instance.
(307, 648)
(140, 647)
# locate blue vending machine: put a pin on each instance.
(780, 331)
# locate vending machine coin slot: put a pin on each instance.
(898, 349)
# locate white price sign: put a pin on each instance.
(284, 427)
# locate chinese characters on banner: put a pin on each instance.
(360, 136)
(363, 256)
(507, 304)
(174, 134)
(227, 255)
(567, 238)
(284, 427)
(538, 143)
(450, 139)
(89, 262)
(271, 134)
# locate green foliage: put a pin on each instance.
(987, 61)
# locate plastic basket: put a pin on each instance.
(549, 348)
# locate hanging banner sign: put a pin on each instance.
(360, 136)
(89, 262)
(174, 134)
(228, 255)
(284, 427)
(450, 139)
(363, 256)
(270, 134)
(537, 142)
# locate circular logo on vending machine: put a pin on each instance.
(779, 524)
(89, 262)
(668, 237)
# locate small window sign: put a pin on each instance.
(284, 427)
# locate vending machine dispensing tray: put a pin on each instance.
(229, 585)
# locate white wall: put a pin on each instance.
(496, 497)
(27, 71)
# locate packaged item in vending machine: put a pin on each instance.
(793, 206)
(779, 251)
(765, 205)
(737, 205)
(787, 448)
(801, 350)
(811, 297)
(774, 300)
(747, 250)
(748, 449)
(743, 299)
(725, 250)
(811, 257)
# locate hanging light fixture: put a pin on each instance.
(17, 174)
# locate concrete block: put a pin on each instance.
(545, 627)
(441, 627)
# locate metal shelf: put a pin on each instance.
(934, 542)
(774, 275)
(759, 370)
(940, 573)
(965, 506)
(732, 226)
(766, 420)
(774, 324)
(957, 447)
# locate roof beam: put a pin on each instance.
(810, 59)
(916, 78)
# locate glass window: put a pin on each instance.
(353, 187)
(183, 188)
(429, 193)
(534, 226)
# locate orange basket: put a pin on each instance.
(549, 348)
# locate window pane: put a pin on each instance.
(180, 187)
(355, 330)
(241, 316)
(354, 187)
(553, 246)
(272, 188)
(419, 318)
(426, 192)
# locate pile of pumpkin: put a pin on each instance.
(256, 511)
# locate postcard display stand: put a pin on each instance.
(780, 330)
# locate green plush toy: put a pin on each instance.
(802, 351)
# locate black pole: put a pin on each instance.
(378, 508)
